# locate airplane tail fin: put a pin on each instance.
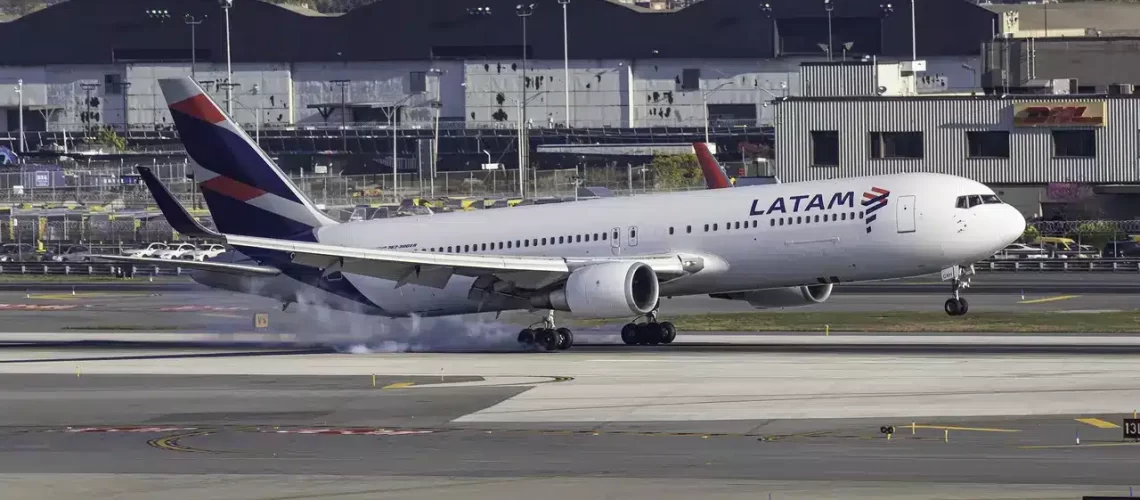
(715, 178)
(247, 193)
(176, 215)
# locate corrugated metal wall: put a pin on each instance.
(831, 80)
(944, 123)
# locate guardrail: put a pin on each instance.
(109, 269)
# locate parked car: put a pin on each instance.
(181, 251)
(74, 253)
(17, 252)
(209, 252)
(149, 251)
(1121, 249)
(1022, 251)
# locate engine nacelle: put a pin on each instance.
(772, 298)
(609, 290)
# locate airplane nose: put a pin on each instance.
(1012, 225)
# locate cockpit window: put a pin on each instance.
(974, 200)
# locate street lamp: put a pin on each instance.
(343, 113)
(524, 11)
(392, 120)
(226, 4)
(193, 23)
(20, 93)
(257, 122)
(566, 57)
(705, 106)
(827, 5)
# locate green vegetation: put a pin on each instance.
(74, 278)
(905, 322)
(676, 171)
(1097, 234)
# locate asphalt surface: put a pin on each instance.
(247, 436)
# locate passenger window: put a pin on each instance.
(603, 236)
(448, 249)
(579, 239)
(799, 220)
(632, 233)
(843, 216)
(860, 215)
(616, 235)
(526, 243)
(715, 226)
(773, 221)
(560, 240)
(738, 225)
(508, 244)
(544, 242)
(689, 229)
(727, 226)
(670, 231)
(781, 221)
(755, 223)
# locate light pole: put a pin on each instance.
(226, 4)
(343, 113)
(566, 57)
(705, 106)
(193, 23)
(524, 11)
(827, 5)
(257, 121)
(88, 87)
(20, 110)
(913, 37)
(392, 120)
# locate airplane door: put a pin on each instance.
(633, 236)
(905, 214)
(615, 241)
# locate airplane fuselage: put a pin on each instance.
(754, 237)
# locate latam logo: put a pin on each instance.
(1075, 114)
(796, 204)
(872, 202)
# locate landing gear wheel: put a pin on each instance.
(526, 337)
(629, 334)
(652, 334)
(565, 338)
(548, 339)
(964, 306)
(670, 332)
(951, 307)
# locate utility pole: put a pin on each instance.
(343, 112)
(827, 5)
(524, 11)
(226, 4)
(20, 110)
(193, 23)
(88, 87)
(566, 56)
(913, 35)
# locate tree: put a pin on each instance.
(1097, 234)
(108, 137)
(675, 171)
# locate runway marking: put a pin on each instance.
(955, 428)
(85, 295)
(127, 429)
(1096, 422)
(34, 307)
(1048, 299)
(399, 385)
(350, 432)
(1087, 445)
(202, 308)
(172, 443)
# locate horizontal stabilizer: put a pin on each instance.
(176, 215)
(220, 267)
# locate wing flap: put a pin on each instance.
(220, 267)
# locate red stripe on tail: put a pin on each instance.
(232, 188)
(714, 176)
(201, 108)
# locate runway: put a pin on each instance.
(727, 421)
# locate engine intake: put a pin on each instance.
(609, 290)
(772, 298)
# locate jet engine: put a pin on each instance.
(609, 290)
(772, 298)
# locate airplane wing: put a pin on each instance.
(435, 269)
(220, 267)
(176, 215)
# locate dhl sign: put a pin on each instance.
(1059, 114)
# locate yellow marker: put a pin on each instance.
(1096, 422)
(826, 330)
(399, 385)
(888, 436)
(946, 435)
(373, 380)
(261, 320)
(1049, 299)
(974, 429)
(76, 371)
(912, 428)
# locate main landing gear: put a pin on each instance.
(959, 279)
(548, 337)
(649, 333)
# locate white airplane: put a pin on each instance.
(773, 245)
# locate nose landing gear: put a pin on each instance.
(959, 279)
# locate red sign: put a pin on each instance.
(1036, 115)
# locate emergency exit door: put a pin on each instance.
(904, 214)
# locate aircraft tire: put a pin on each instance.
(565, 338)
(526, 337)
(548, 339)
(629, 334)
(670, 332)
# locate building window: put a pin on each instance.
(988, 144)
(886, 145)
(1074, 143)
(825, 148)
(417, 80)
(690, 79)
